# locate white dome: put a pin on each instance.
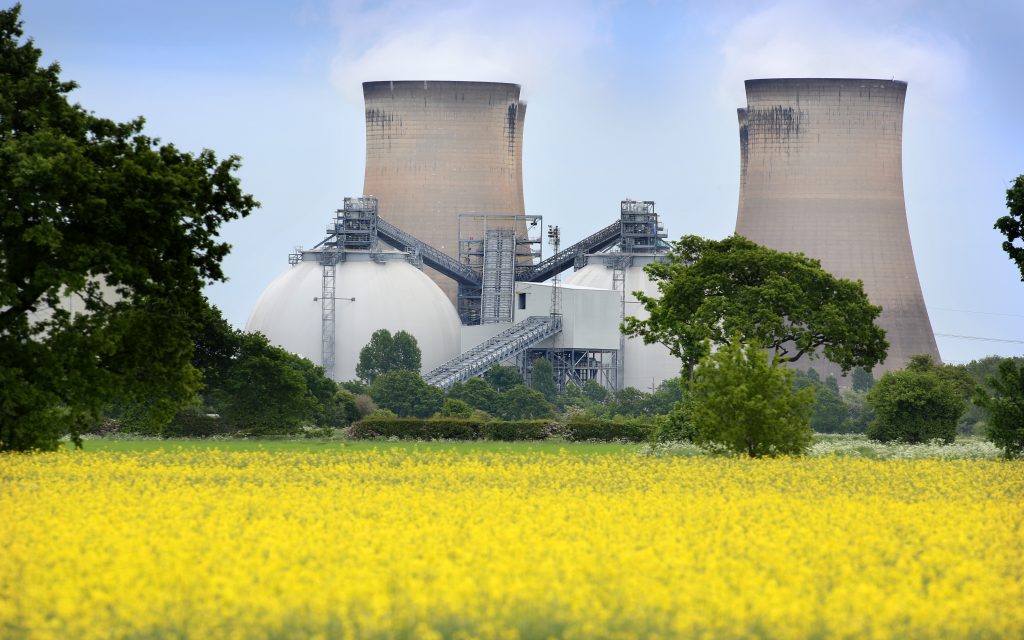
(645, 365)
(392, 295)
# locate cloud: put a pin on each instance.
(530, 42)
(800, 38)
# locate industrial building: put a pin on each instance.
(364, 275)
(821, 173)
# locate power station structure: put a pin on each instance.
(821, 173)
(444, 167)
(364, 275)
(435, 150)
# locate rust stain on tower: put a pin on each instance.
(821, 172)
(435, 150)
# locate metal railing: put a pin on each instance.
(504, 346)
(433, 258)
(567, 257)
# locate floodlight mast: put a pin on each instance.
(555, 239)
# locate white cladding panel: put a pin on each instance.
(645, 365)
(391, 295)
(590, 317)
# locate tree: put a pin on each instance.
(386, 352)
(98, 213)
(862, 379)
(523, 403)
(630, 402)
(712, 290)
(476, 393)
(259, 388)
(264, 393)
(594, 392)
(453, 408)
(740, 401)
(1005, 407)
(503, 378)
(407, 394)
(542, 378)
(831, 414)
(914, 406)
(1012, 224)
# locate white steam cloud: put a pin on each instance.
(530, 42)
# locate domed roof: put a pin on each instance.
(390, 294)
(645, 365)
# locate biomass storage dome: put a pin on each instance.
(389, 293)
(437, 149)
(821, 173)
(644, 365)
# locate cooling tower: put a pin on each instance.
(435, 150)
(821, 173)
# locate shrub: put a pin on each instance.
(512, 430)
(584, 428)
(415, 428)
(914, 407)
(1006, 408)
(741, 402)
(406, 393)
(674, 427)
(444, 428)
(193, 424)
(454, 408)
(523, 403)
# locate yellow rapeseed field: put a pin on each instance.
(382, 544)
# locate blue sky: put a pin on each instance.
(627, 99)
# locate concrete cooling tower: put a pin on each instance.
(821, 173)
(435, 150)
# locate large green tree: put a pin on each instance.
(742, 403)
(386, 352)
(1012, 224)
(107, 237)
(712, 290)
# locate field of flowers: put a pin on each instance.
(381, 544)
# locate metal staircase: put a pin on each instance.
(504, 346)
(498, 276)
(568, 257)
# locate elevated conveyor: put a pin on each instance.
(433, 258)
(565, 258)
(504, 346)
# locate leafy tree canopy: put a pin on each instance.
(523, 403)
(407, 394)
(476, 393)
(914, 406)
(711, 290)
(1005, 406)
(542, 378)
(741, 402)
(1012, 224)
(503, 378)
(97, 217)
(386, 352)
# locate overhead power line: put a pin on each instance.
(983, 313)
(951, 335)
